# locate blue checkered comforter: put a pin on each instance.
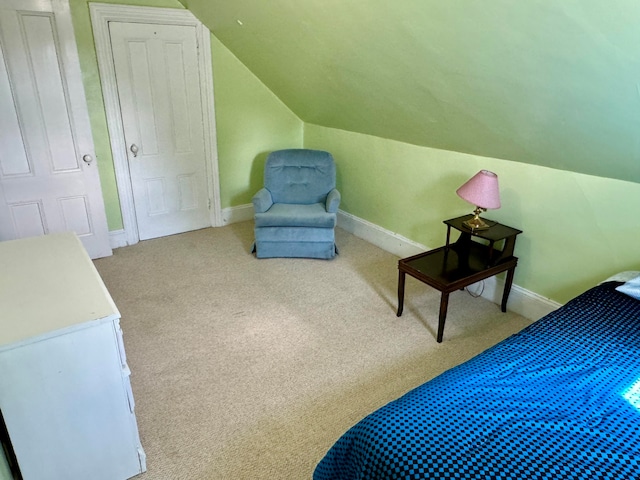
(559, 400)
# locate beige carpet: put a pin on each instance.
(251, 369)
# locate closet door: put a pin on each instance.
(48, 173)
(162, 115)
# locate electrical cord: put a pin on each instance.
(476, 294)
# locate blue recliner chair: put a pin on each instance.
(295, 212)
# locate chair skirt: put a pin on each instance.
(295, 242)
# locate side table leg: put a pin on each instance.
(507, 288)
(444, 303)
(401, 276)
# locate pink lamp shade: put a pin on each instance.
(481, 190)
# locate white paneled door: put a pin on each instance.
(48, 174)
(158, 84)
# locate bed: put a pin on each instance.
(558, 400)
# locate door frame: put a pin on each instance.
(101, 15)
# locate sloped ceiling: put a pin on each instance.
(546, 82)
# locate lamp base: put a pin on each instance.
(476, 223)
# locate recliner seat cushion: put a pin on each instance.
(290, 215)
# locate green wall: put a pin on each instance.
(578, 229)
(250, 122)
(250, 119)
(550, 83)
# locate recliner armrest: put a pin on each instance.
(262, 201)
(333, 201)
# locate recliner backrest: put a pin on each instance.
(299, 175)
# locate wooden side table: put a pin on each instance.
(474, 256)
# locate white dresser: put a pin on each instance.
(64, 381)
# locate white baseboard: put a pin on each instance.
(378, 236)
(118, 238)
(241, 213)
(521, 301)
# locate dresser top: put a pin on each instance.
(48, 284)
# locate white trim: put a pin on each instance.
(101, 15)
(237, 214)
(524, 302)
(118, 238)
(209, 123)
(378, 236)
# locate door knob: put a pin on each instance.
(134, 149)
(87, 159)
